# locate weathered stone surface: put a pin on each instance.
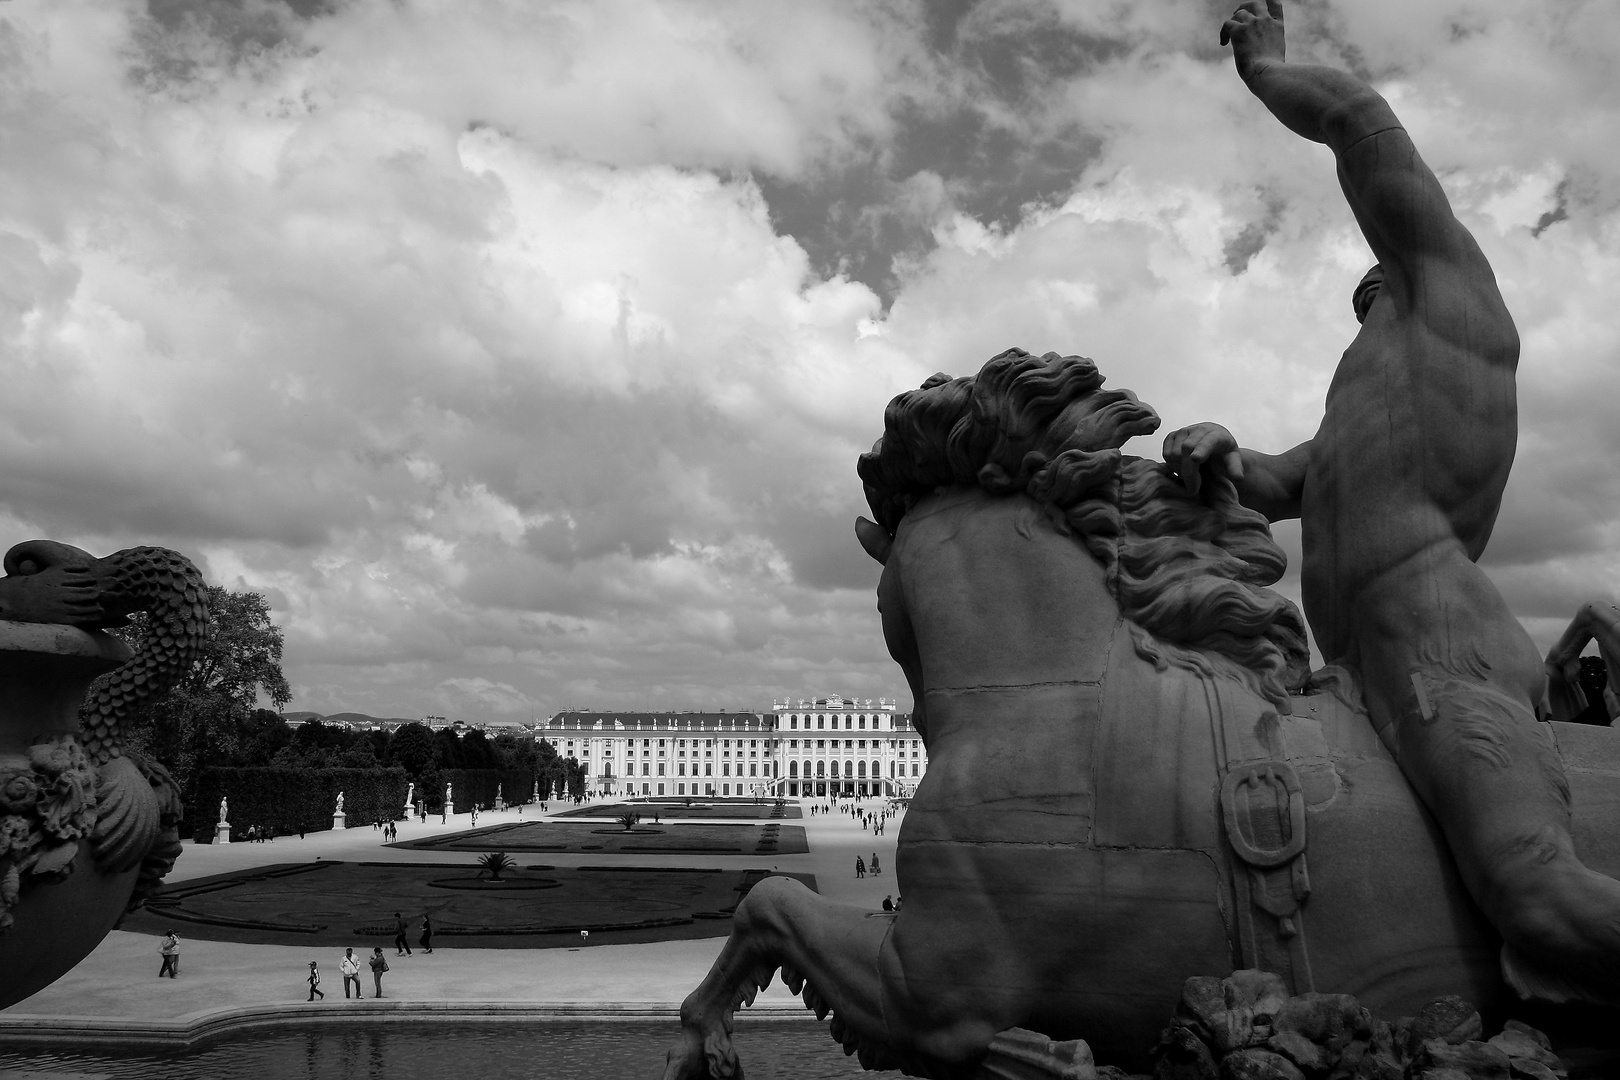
(1519, 1045)
(1251, 1000)
(1203, 1005)
(1334, 1023)
(1113, 1072)
(1255, 1064)
(1472, 1058)
(1182, 1055)
(1376, 1066)
(1449, 1019)
(1526, 1069)
(1300, 1050)
(1529, 1032)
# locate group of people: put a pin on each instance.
(350, 966)
(861, 868)
(389, 829)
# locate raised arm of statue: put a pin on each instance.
(1598, 622)
(1397, 201)
(1270, 484)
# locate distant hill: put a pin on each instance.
(363, 718)
(346, 718)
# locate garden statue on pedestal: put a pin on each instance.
(339, 819)
(449, 803)
(88, 828)
(500, 803)
(410, 791)
(222, 829)
(1133, 776)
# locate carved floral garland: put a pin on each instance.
(46, 807)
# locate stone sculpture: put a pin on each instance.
(223, 819)
(1600, 622)
(88, 828)
(410, 793)
(338, 809)
(1133, 778)
(1396, 495)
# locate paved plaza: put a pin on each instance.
(116, 988)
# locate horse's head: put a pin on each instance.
(1188, 572)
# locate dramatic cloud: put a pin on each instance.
(520, 353)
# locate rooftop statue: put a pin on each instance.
(1133, 777)
(88, 827)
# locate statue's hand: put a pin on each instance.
(1189, 449)
(1255, 32)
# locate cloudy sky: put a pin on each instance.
(520, 352)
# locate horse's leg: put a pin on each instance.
(827, 950)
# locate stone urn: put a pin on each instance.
(56, 901)
(88, 827)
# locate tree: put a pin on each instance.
(412, 748)
(212, 715)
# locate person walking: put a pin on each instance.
(379, 964)
(860, 867)
(426, 940)
(402, 947)
(170, 950)
(875, 870)
(350, 966)
(314, 981)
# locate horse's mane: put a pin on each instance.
(1189, 572)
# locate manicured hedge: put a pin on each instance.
(479, 785)
(284, 801)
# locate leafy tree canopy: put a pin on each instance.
(212, 715)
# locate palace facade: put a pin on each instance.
(804, 748)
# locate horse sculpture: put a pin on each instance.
(1133, 778)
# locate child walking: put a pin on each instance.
(315, 982)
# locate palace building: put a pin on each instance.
(804, 748)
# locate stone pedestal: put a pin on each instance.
(337, 821)
(449, 809)
(222, 833)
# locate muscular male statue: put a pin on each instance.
(1397, 494)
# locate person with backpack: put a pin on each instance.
(379, 964)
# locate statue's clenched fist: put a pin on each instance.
(1255, 32)
(1191, 448)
